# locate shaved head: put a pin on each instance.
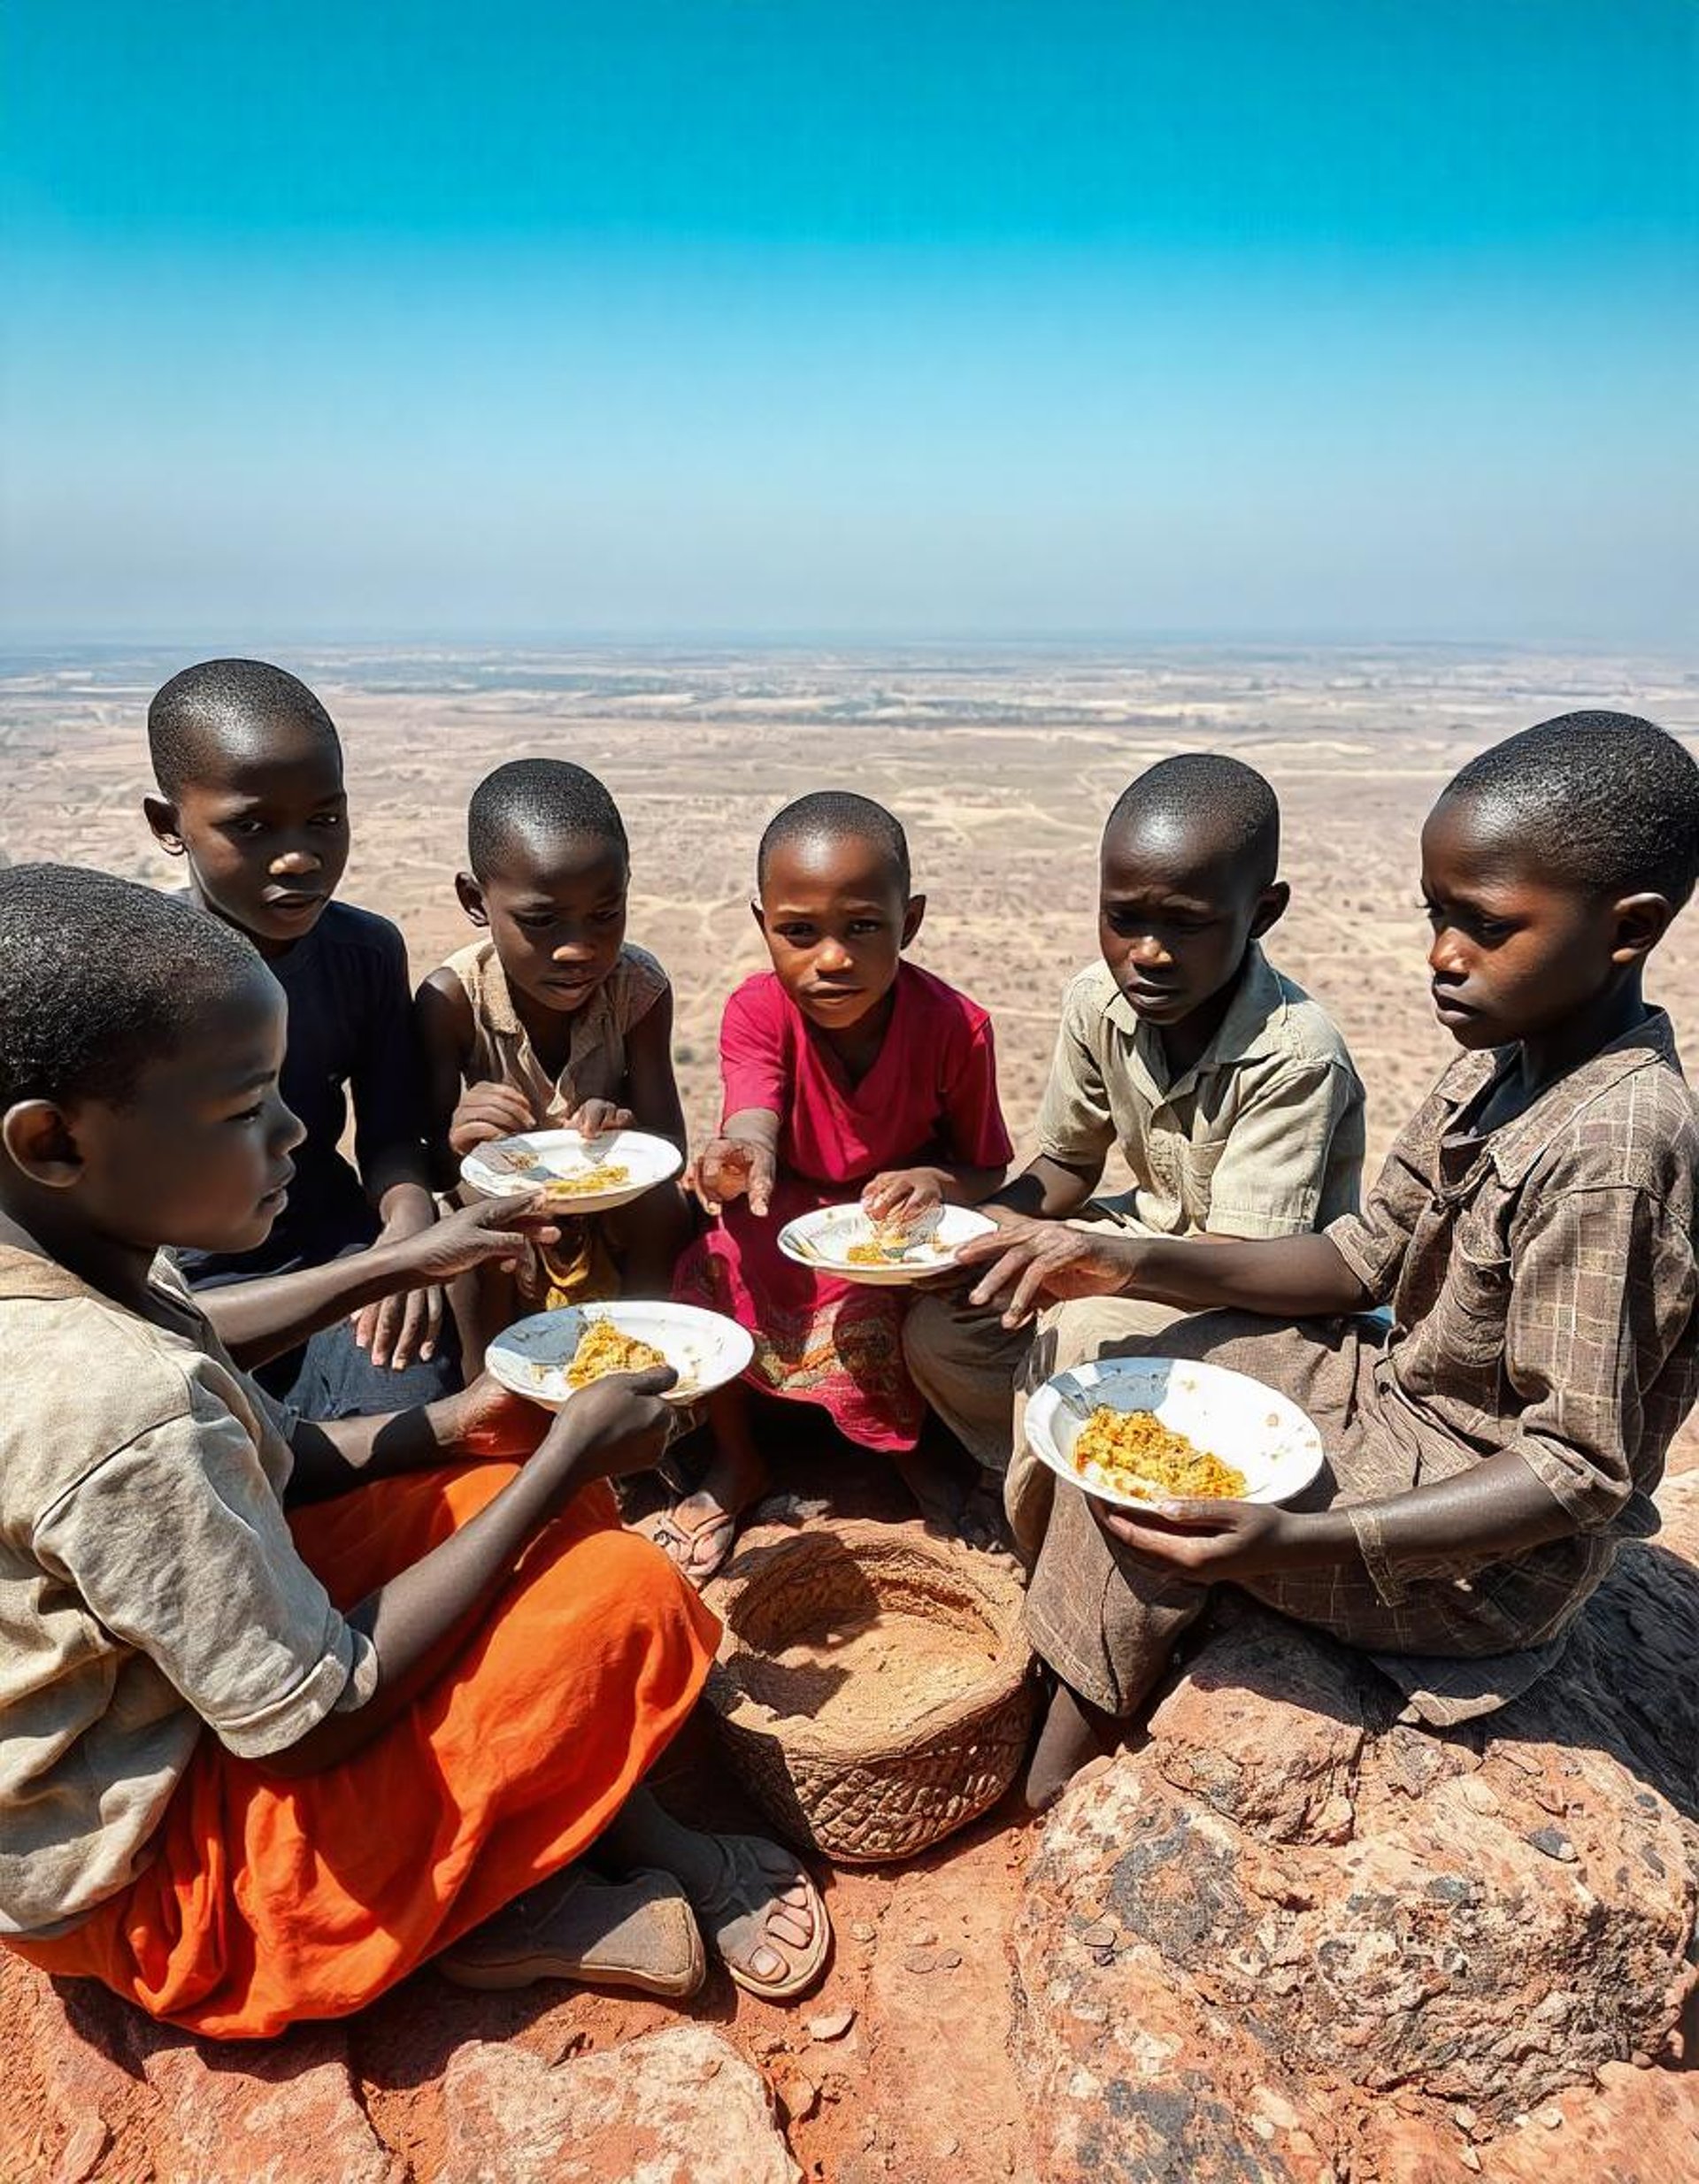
(1202, 809)
(832, 815)
(1600, 801)
(227, 713)
(534, 803)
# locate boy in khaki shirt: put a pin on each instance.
(1228, 1091)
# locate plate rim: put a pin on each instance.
(509, 1185)
(1054, 1461)
(891, 1272)
(604, 1308)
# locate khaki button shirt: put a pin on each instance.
(149, 1585)
(501, 1052)
(1263, 1136)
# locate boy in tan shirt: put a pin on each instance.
(1228, 1091)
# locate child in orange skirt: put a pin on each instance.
(286, 1708)
(848, 1073)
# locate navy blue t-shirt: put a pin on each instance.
(350, 1034)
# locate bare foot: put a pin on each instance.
(1072, 1734)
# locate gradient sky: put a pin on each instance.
(1288, 317)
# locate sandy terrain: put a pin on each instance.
(1001, 768)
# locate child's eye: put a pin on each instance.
(249, 1114)
(247, 828)
(536, 923)
(608, 917)
(330, 820)
(867, 925)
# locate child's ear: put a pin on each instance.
(42, 1144)
(913, 917)
(758, 914)
(472, 898)
(1642, 922)
(161, 815)
(1270, 908)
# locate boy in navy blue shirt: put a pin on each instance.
(249, 776)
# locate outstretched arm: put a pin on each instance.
(1030, 1264)
(258, 1320)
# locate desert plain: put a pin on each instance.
(1002, 763)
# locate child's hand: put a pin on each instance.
(598, 1118)
(1026, 1264)
(487, 1112)
(1203, 1542)
(504, 1229)
(732, 1168)
(618, 1424)
(405, 1325)
(902, 1194)
(395, 1330)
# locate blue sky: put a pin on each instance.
(1295, 319)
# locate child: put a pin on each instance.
(1532, 1231)
(1228, 1091)
(250, 776)
(848, 1073)
(257, 1767)
(553, 1020)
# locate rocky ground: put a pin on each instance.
(1284, 1941)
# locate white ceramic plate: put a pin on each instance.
(703, 1349)
(822, 1240)
(507, 1164)
(1255, 1429)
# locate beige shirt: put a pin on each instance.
(1263, 1136)
(149, 1584)
(501, 1052)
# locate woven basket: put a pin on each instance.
(898, 1786)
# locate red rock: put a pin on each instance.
(679, 2106)
(1438, 1950)
(263, 2115)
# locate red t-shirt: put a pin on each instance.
(931, 1097)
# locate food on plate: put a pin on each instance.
(520, 1158)
(1133, 1452)
(602, 1350)
(605, 1175)
(887, 1248)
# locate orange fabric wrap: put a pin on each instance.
(269, 1901)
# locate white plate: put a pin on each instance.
(703, 1349)
(1255, 1429)
(498, 1169)
(820, 1241)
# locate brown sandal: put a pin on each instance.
(680, 1540)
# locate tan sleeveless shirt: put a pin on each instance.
(501, 1052)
